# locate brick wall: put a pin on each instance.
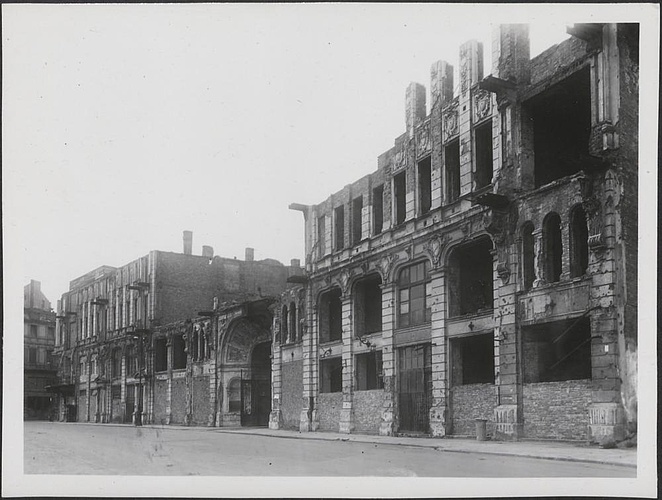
(160, 397)
(368, 411)
(200, 400)
(557, 410)
(329, 405)
(560, 56)
(291, 394)
(178, 408)
(469, 402)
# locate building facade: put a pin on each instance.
(39, 340)
(487, 269)
(106, 349)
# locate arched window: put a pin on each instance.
(528, 253)
(553, 245)
(578, 243)
(293, 322)
(284, 326)
(414, 290)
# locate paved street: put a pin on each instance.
(59, 448)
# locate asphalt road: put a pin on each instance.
(59, 448)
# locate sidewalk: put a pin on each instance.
(551, 450)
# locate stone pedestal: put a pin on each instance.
(346, 424)
(606, 422)
(508, 426)
(308, 421)
(275, 419)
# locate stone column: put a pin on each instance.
(346, 425)
(439, 414)
(389, 424)
(508, 398)
(538, 258)
(275, 420)
(308, 420)
(471, 72)
(565, 256)
(170, 354)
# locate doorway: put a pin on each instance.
(414, 387)
(256, 391)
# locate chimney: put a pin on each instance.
(441, 79)
(295, 263)
(414, 106)
(207, 251)
(250, 254)
(188, 242)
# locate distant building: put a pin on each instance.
(488, 268)
(106, 347)
(39, 340)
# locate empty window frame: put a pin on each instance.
(378, 209)
(399, 197)
(368, 305)
(357, 220)
(160, 355)
(116, 360)
(578, 243)
(178, 353)
(556, 351)
(331, 375)
(414, 290)
(528, 256)
(369, 371)
(321, 235)
(553, 246)
(470, 278)
(561, 117)
(425, 185)
(33, 330)
(330, 316)
(472, 359)
(284, 325)
(340, 227)
(131, 361)
(32, 355)
(452, 164)
(483, 143)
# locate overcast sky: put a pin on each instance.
(126, 124)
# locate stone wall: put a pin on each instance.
(160, 398)
(292, 393)
(557, 410)
(200, 395)
(329, 405)
(368, 411)
(469, 402)
(178, 406)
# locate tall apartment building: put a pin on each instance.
(487, 269)
(39, 340)
(104, 340)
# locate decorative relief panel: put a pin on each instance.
(423, 142)
(385, 266)
(434, 247)
(482, 105)
(450, 123)
(400, 156)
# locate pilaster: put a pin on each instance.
(471, 72)
(346, 424)
(308, 420)
(388, 425)
(439, 411)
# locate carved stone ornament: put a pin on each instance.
(434, 246)
(365, 267)
(450, 123)
(401, 156)
(327, 279)
(343, 279)
(423, 142)
(592, 209)
(495, 225)
(504, 272)
(482, 105)
(464, 69)
(385, 265)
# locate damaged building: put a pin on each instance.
(487, 269)
(128, 350)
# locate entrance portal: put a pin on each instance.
(414, 387)
(256, 391)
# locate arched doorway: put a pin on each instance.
(256, 391)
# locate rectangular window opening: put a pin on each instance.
(378, 208)
(483, 141)
(425, 184)
(340, 227)
(470, 279)
(368, 306)
(179, 353)
(369, 371)
(160, 355)
(473, 359)
(452, 164)
(399, 194)
(330, 316)
(357, 220)
(331, 375)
